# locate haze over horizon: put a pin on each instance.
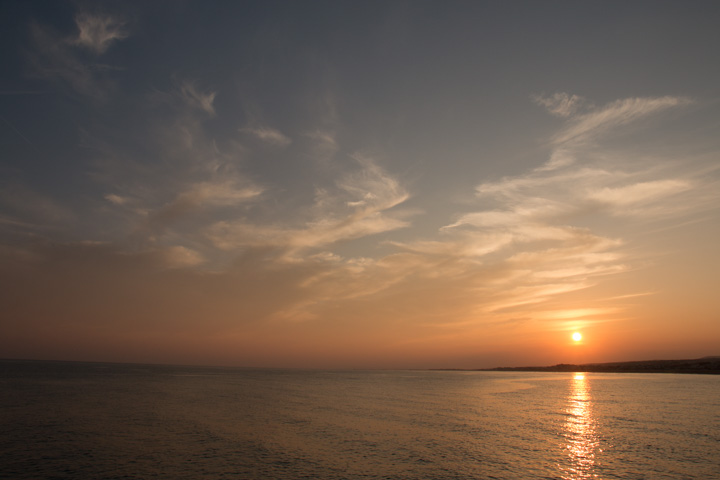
(359, 184)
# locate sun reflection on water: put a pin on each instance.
(579, 432)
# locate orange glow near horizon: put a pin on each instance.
(351, 223)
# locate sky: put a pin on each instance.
(342, 184)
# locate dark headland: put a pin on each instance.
(709, 365)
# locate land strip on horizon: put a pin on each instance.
(705, 365)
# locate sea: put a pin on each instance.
(110, 421)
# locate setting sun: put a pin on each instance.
(577, 336)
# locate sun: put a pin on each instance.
(577, 336)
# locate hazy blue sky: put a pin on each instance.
(359, 183)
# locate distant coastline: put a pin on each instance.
(705, 365)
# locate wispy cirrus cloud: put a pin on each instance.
(183, 177)
(324, 145)
(560, 104)
(53, 59)
(187, 98)
(357, 207)
(98, 32)
(200, 196)
(540, 233)
(195, 98)
(268, 135)
(615, 114)
(533, 238)
(116, 199)
(638, 194)
(538, 237)
(56, 57)
(178, 256)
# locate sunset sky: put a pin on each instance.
(360, 184)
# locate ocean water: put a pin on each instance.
(105, 421)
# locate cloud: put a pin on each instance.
(245, 254)
(178, 257)
(230, 235)
(530, 243)
(467, 245)
(356, 208)
(269, 135)
(199, 196)
(98, 32)
(116, 199)
(559, 104)
(638, 193)
(183, 176)
(559, 158)
(614, 114)
(188, 100)
(53, 59)
(55, 56)
(371, 188)
(324, 145)
(196, 99)
(511, 187)
(221, 193)
(539, 235)
(30, 204)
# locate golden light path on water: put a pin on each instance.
(579, 430)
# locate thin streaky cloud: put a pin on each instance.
(222, 193)
(614, 114)
(631, 295)
(197, 99)
(356, 208)
(52, 58)
(56, 57)
(116, 199)
(372, 188)
(519, 298)
(529, 231)
(509, 187)
(638, 193)
(181, 257)
(324, 145)
(560, 104)
(705, 218)
(18, 223)
(98, 32)
(268, 135)
(199, 196)
(559, 158)
(576, 313)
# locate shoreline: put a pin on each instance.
(704, 365)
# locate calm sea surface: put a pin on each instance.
(103, 421)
